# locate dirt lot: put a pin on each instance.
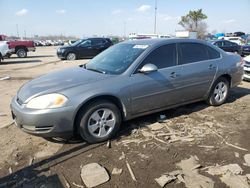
(213, 135)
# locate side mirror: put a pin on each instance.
(148, 68)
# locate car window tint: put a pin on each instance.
(192, 52)
(219, 44)
(162, 57)
(213, 54)
(227, 43)
(97, 42)
(85, 43)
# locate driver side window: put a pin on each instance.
(162, 57)
(85, 44)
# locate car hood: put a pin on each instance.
(58, 81)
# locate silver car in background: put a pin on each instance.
(128, 80)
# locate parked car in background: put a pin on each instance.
(21, 47)
(85, 48)
(4, 49)
(18, 47)
(245, 50)
(247, 68)
(227, 46)
(128, 80)
(237, 40)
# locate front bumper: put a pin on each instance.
(60, 54)
(45, 123)
(246, 72)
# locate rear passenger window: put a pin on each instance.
(213, 54)
(191, 52)
(162, 57)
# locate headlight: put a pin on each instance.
(47, 101)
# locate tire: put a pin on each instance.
(71, 56)
(94, 126)
(219, 92)
(22, 53)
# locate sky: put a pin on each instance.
(83, 18)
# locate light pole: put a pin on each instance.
(155, 16)
(17, 30)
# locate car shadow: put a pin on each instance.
(34, 173)
(33, 56)
(19, 62)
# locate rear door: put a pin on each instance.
(199, 64)
(157, 89)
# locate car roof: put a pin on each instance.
(153, 42)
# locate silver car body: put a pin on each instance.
(136, 94)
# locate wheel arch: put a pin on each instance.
(228, 77)
(20, 47)
(115, 100)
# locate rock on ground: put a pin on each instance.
(164, 179)
(247, 159)
(116, 171)
(93, 175)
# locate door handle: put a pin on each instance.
(211, 66)
(173, 75)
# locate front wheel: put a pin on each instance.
(21, 53)
(219, 92)
(71, 56)
(99, 122)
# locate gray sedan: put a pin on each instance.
(128, 80)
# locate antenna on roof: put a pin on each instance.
(155, 16)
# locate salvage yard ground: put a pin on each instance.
(207, 145)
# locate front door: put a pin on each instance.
(157, 89)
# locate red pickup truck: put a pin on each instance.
(19, 47)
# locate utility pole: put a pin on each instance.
(24, 34)
(155, 16)
(17, 30)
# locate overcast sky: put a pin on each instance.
(112, 17)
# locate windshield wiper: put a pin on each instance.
(96, 70)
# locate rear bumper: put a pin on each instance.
(45, 123)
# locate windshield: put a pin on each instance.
(116, 59)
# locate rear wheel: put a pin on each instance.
(71, 56)
(21, 53)
(219, 92)
(99, 122)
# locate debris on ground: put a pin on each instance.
(5, 78)
(2, 114)
(7, 125)
(236, 154)
(219, 170)
(94, 174)
(122, 156)
(165, 179)
(109, 144)
(116, 171)
(155, 126)
(247, 159)
(130, 171)
(188, 174)
(10, 170)
(80, 186)
(161, 118)
(230, 175)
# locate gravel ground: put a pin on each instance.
(215, 135)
